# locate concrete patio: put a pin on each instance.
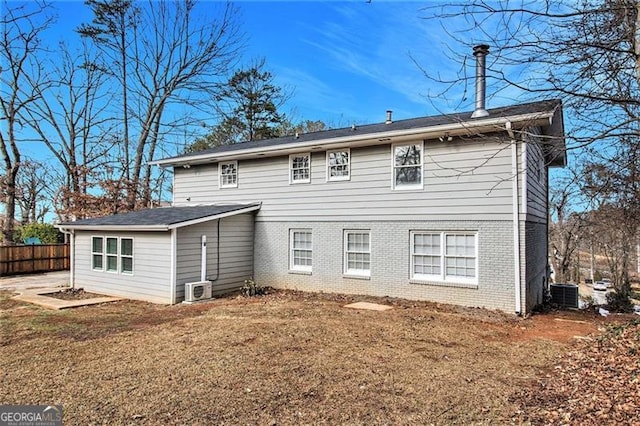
(35, 288)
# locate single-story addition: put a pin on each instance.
(150, 254)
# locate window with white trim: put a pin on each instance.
(407, 166)
(338, 165)
(229, 174)
(126, 255)
(112, 254)
(300, 168)
(357, 253)
(300, 250)
(97, 253)
(444, 256)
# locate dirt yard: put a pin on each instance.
(284, 358)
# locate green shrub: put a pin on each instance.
(619, 302)
(45, 232)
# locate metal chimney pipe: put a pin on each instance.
(480, 52)
(388, 121)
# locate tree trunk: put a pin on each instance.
(8, 227)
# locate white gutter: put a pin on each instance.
(173, 268)
(516, 226)
(218, 216)
(431, 132)
(118, 227)
(72, 252)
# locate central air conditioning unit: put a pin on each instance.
(196, 291)
(565, 295)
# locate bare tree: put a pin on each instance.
(586, 53)
(70, 115)
(21, 79)
(32, 195)
(166, 53)
(565, 229)
(614, 187)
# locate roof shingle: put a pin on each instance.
(162, 216)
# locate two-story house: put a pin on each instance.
(449, 208)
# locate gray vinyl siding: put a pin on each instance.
(236, 253)
(151, 277)
(390, 261)
(536, 184)
(464, 180)
(535, 263)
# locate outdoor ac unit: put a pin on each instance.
(196, 291)
(565, 295)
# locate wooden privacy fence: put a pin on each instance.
(29, 259)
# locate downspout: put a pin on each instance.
(203, 258)
(217, 254)
(173, 268)
(516, 221)
(72, 251)
(525, 177)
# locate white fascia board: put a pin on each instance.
(491, 124)
(215, 217)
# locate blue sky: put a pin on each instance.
(345, 61)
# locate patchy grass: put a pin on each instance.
(285, 358)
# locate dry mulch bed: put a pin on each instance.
(284, 358)
(73, 294)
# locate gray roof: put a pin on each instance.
(161, 218)
(414, 123)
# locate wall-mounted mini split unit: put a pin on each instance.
(197, 291)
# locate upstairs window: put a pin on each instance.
(407, 166)
(338, 165)
(229, 174)
(300, 168)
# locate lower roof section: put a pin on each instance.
(160, 219)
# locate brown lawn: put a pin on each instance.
(284, 358)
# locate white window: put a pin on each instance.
(338, 165)
(444, 256)
(357, 253)
(97, 253)
(301, 250)
(126, 255)
(229, 174)
(407, 166)
(300, 168)
(112, 254)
